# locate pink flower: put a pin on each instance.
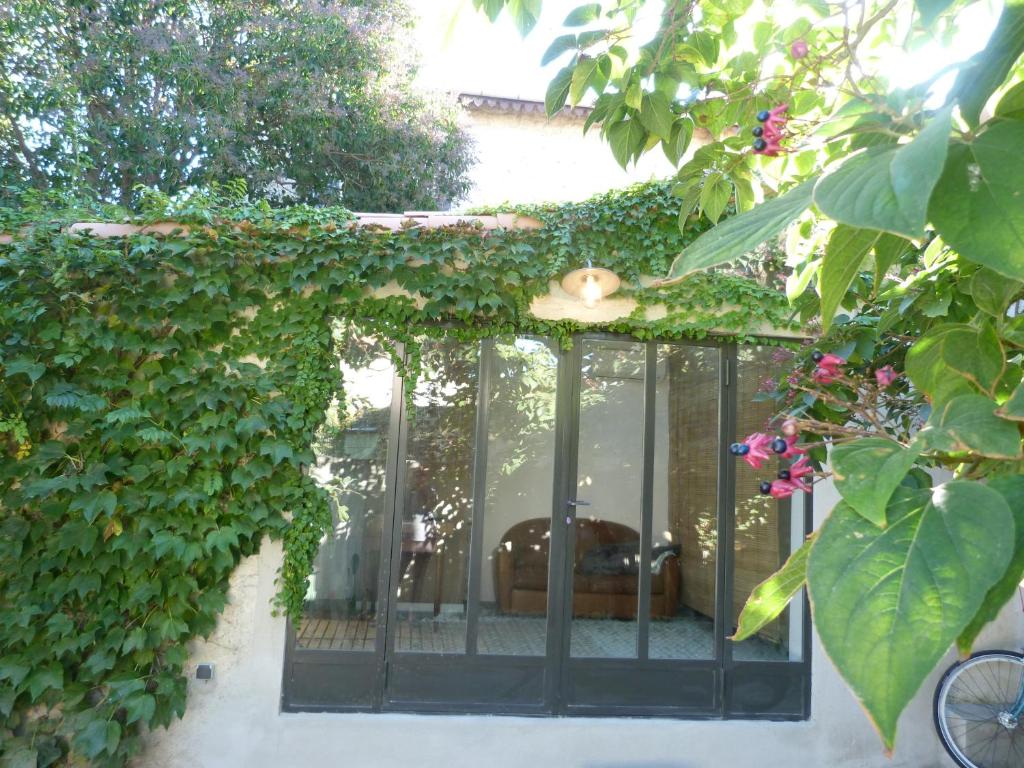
(828, 369)
(782, 489)
(792, 449)
(798, 49)
(774, 122)
(760, 446)
(789, 427)
(798, 470)
(886, 376)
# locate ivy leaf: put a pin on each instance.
(846, 250)
(141, 707)
(984, 72)
(23, 365)
(49, 677)
(868, 471)
(874, 590)
(975, 354)
(889, 188)
(560, 45)
(92, 505)
(740, 234)
(977, 206)
(772, 595)
(99, 735)
(276, 450)
(969, 423)
(582, 15)
(558, 90)
(1012, 489)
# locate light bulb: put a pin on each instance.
(591, 292)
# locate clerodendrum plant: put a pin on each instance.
(905, 215)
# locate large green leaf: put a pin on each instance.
(846, 250)
(525, 14)
(582, 15)
(876, 592)
(977, 205)
(868, 471)
(627, 140)
(992, 292)
(930, 9)
(741, 234)
(1012, 489)
(889, 188)
(714, 195)
(1013, 408)
(973, 354)
(772, 595)
(656, 115)
(558, 46)
(558, 90)
(969, 423)
(984, 72)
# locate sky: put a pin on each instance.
(463, 52)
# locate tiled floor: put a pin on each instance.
(684, 637)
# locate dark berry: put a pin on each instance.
(779, 445)
(760, 145)
(739, 449)
(783, 474)
(817, 356)
(763, 115)
(766, 487)
(758, 131)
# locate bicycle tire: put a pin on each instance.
(981, 665)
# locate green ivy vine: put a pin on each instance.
(159, 397)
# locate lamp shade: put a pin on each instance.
(591, 284)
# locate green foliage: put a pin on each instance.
(873, 589)
(868, 471)
(772, 595)
(159, 397)
(308, 102)
(907, 246)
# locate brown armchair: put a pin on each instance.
(521, 572)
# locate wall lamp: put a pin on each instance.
(591, 284)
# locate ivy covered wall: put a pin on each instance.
(159, 395)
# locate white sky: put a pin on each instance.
(462, 51)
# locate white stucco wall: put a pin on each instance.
(235, 719)
(527, 158)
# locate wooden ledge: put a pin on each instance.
(389, 221)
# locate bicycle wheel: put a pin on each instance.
(972, 706)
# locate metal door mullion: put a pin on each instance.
(728, 377)
(397, 499)
(563, 538)
(476, 531)
(647, 502)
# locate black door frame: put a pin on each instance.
(316, 680)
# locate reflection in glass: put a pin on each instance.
(517, 511)
(685, 528)
(606, 541)
(438, 504)
(766, 530)
(351, 457)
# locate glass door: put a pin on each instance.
(641, 514)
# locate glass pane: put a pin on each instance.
(684, 552)
(609, 476)
(517, 511)
(351, 456)
(766, 530)
(438, 509)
